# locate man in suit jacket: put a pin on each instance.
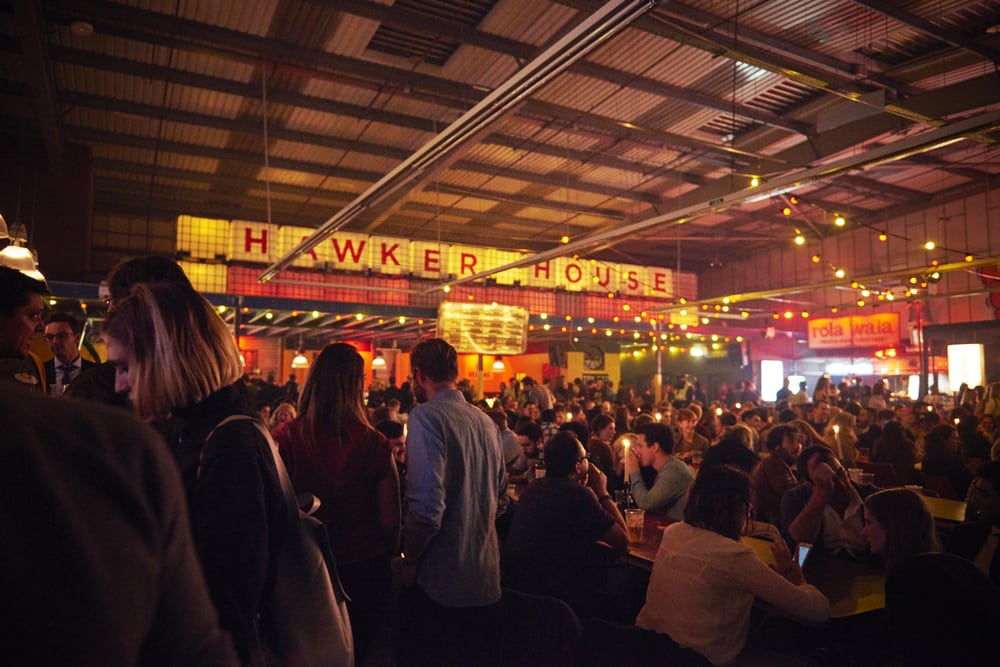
(977, 540)
(62, 331)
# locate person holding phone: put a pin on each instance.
(802, 553)
(704, 580)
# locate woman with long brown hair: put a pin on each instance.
(333, 452)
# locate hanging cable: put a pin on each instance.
(267, 162)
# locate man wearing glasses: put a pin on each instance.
(21, 308)
(551, 548)
(62, 333)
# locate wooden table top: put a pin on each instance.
(942, 509)
(643, 555)
(852, 587)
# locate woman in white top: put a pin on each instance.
(704, 579)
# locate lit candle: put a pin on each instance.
(659, 416)
(836, 437)
(626, 443)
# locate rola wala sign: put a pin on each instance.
(881, 330)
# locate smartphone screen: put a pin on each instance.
(803, 552)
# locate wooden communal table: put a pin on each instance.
(643, 554)
(943, 509)
(852, 588)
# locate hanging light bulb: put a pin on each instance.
(300, 360)
(839, 221)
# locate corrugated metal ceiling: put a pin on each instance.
(660, 116)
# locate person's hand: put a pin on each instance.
(597, 481)
(823, 478)
(784, 564)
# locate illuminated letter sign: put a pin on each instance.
(880, 330)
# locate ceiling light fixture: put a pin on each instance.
(16, 256)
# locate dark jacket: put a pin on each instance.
(97, 383)
(730, 451)
(967, 539)
(50, 370)
(98, 565)
(236, 505)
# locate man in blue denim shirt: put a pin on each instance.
(456, 480)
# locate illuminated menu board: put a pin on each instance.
(473, 328)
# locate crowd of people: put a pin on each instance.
(414, 483)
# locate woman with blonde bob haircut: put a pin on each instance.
(180, 366)
(181, 350)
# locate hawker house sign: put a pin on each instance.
(259, 243)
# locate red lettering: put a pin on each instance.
(545, 268)
(573, 273)
(658, 282)
(828, 330)
(348, 248)
(389, 253)
(607, 276)
(631, 280)
(249, 240)
(468, 262)
(432, 260)
(312, 251)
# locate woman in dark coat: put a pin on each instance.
(181, 369)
